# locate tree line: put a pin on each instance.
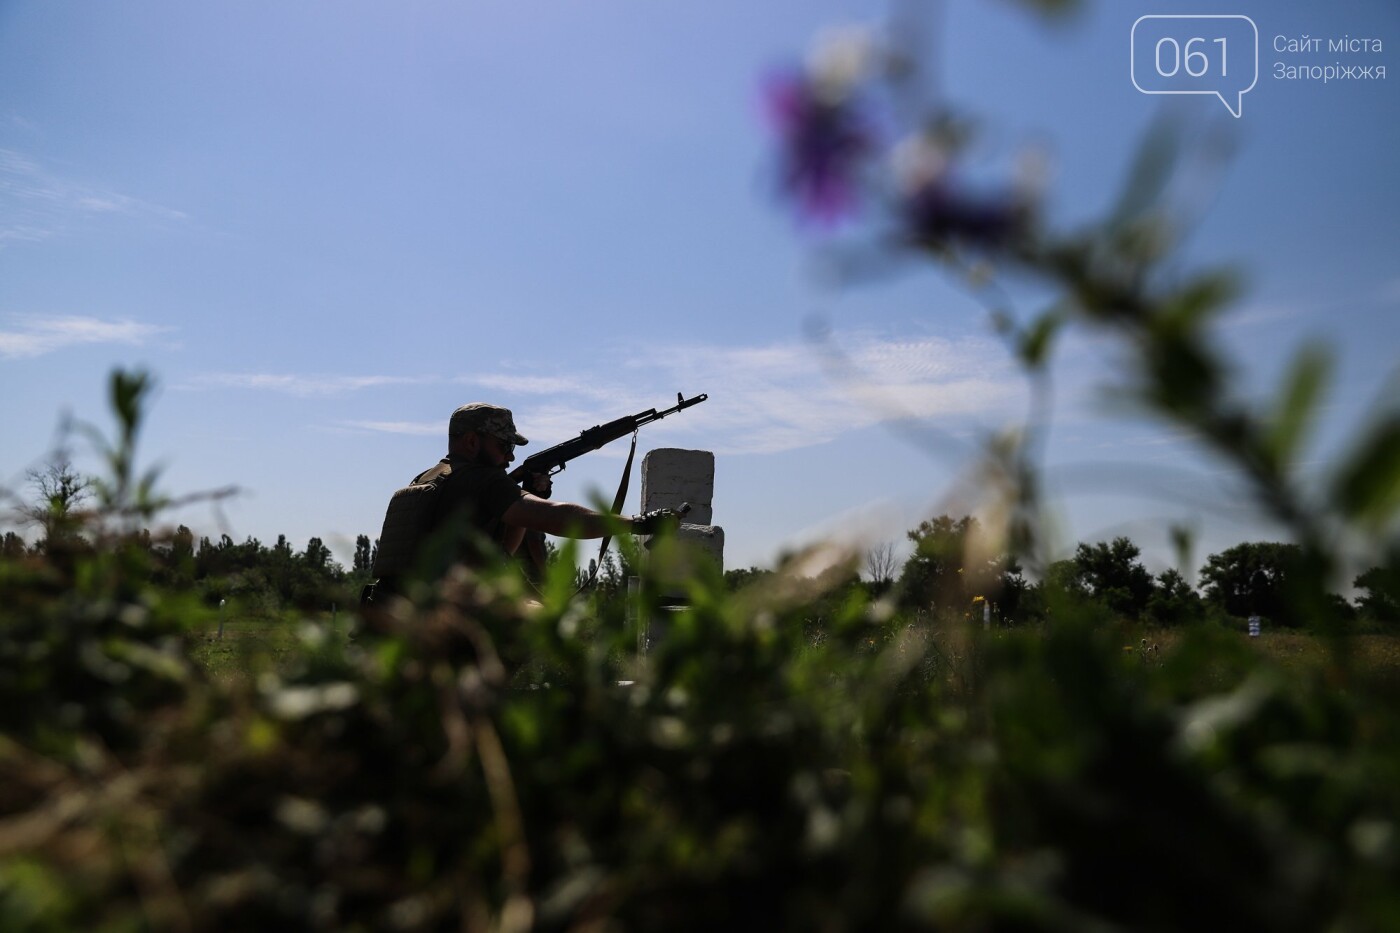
(259, 579)
(941, 575)
(263, 580)
(1248, 579)
(944, 576)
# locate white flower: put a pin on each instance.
(917, 161)
(840, 58)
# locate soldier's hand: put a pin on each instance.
(659, 521)
(539, 484)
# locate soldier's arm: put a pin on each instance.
(510, 541)
(561, 519)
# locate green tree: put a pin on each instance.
(174, 558)
(1253, 579)
(1114, 576)
(1064, 577)
(619, 564)
(1174, 601)
(739, 578)
(1380, 600)
(317, 556)
(59, 491)
(12, 547)
(315, 577)
(214, 560)
(1013, 590)
(363, 561)
(182, 542)
(1059, 584)
(281, 564)
(934, 576)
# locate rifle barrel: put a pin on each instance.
(553, 459)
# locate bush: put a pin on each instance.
(895, 774)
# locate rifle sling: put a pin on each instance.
(616, 509)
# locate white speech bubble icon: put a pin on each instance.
(1205, 54)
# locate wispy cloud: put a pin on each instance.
(20, 122)
(36, 335)
(419, 428)
(1174, 439)
(36, 204)
(791, 395)
(767, 398)
(763, 399)
(518, 384)
(303, 385)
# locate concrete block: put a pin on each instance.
(706, 541)
(679, 559)
(672, 476)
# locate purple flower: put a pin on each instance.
(825, 139)
(938, 213)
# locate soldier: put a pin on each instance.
(533, 552)
(467, 510)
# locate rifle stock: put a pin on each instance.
(553, 459)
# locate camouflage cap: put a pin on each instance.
(488, 419)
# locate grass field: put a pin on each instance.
(1372, 657)
(248, 646)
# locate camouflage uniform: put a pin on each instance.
(477, 495)
(471, 500)
(452, 512)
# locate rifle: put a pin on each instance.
(553, 459)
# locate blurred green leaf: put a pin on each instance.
(1297, 404)
(1037, 339)
(1192, 305)
(1367, 488)
(1051, 8)
(1151, 171)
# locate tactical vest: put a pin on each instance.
(411, 515)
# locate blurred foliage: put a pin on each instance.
(795, 751)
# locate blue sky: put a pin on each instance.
(324, 225)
